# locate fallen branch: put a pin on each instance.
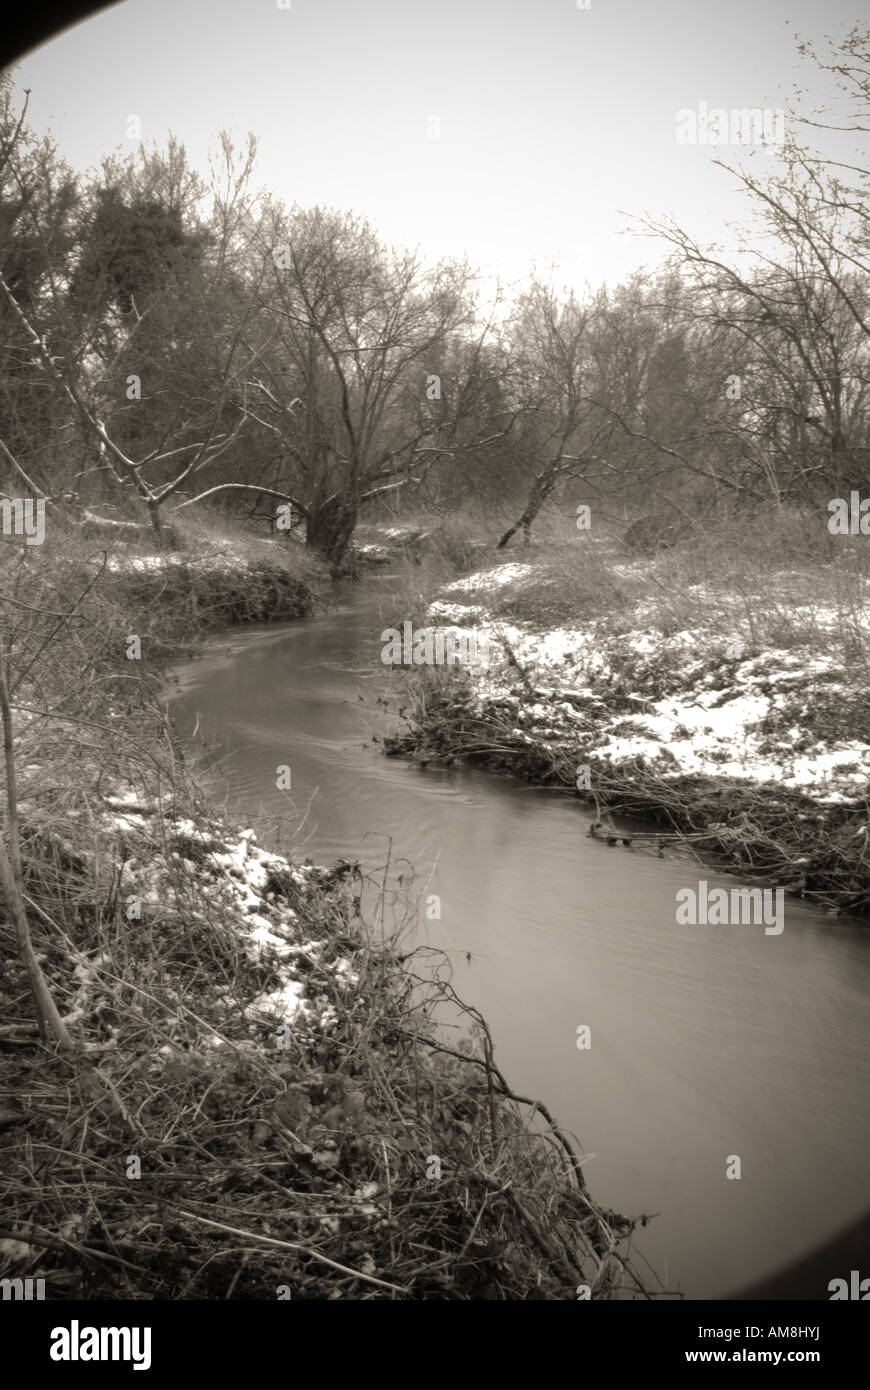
(288, 1245)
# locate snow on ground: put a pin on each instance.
(377, 553)
(727, 721)
(456, 612)
(122, 563)
(486, 580)
(232, 875)
(215, 560)
(403, 533)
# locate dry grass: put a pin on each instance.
(772, 835)
(368, 1158)
(179, 1152)
(776, 581)
(769, 581)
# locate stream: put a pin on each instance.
(706, 1042)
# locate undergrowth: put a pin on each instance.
(263, 1097)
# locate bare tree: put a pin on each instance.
(51, 1025)
(553, 369)
(796, 307)
(349, 352)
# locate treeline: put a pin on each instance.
(170, 341)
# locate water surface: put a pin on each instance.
(706, 1042)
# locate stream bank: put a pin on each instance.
(259, 1103)
(704, 1043)
(745, 744)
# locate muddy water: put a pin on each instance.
(707, 1042)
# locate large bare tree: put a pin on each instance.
(351, 351)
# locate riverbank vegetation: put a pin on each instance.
(217, 1080)
(174, 342)
(720, 693)
(242, 1089)
(206, 396)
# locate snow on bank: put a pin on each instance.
(215, 560)
(231, 877)
(490, 580)
(593, 690)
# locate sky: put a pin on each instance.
(520, 133)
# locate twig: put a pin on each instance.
(288, 1245)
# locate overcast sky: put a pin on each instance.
(552, 118)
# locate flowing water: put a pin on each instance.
(706, 1042)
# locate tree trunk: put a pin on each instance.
(51, 1025)
(165, 536)
(154, 513)
(330, 529)
(541, 489)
